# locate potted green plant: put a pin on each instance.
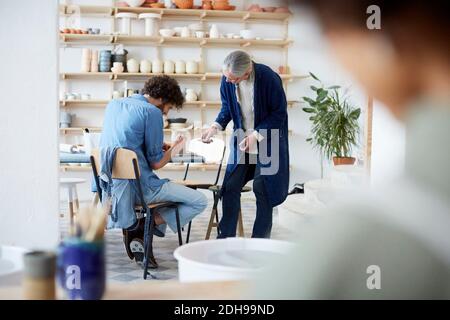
(335, 126)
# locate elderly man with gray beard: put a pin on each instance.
(253, 97)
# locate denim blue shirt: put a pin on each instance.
(133, 123)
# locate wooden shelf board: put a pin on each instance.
(88, 10)
(83, 103)
(87, 75)
(71, 39)
(68, 38)
(102, 103)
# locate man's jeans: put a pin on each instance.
(191, 203)
(231, 203)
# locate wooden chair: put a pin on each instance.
(125, 166)
(215, 189)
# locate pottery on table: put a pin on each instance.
(157, 66)
(180, 67)
(169, 67)
(150, 22)
(191, 67)
(145, 66)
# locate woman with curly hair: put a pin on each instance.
(136, 123)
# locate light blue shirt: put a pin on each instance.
(134, 123)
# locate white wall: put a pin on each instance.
(28, 123)
(308, 53)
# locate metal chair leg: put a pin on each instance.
(188, 232)
(180, 239)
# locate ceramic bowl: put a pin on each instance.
(135, 3)
(269, 9)
(167, 32)
(247, 34)
(177, 120)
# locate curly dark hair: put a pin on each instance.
(166, 88)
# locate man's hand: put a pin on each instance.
(178, 145)
(209, 133)
(166, 146)
(248, 143)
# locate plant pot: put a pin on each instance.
(339, 161)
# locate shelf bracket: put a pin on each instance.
(246, 16)
(246, 44)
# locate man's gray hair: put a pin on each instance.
(237, 62)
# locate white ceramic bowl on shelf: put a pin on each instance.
(135, 3)
(166, 32)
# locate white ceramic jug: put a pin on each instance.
(191, 95)
(180, 66)
(145, 66)
(191, 67)
(157, 66)
(169, 67)
(132, 66)
(214, 32)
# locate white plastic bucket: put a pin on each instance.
(228, 259)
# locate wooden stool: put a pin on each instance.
(71, 185)
(215, 215)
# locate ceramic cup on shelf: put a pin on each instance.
(117, 94)
(169, 67)
(214, 32)
(145, 66)
(192, 67)
(180, 67)
(185, 32)
(157, 66)
(132, 66)
(191, 95)
(200, 34)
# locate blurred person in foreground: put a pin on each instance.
(395, 243)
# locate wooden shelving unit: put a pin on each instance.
(211, 76)
(112, 39)
(86, 39)
(177, 14)
(102, 103)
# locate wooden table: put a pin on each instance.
(154, 290)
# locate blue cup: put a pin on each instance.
(81, 269)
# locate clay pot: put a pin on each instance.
(184, 4)
(339, 161)
(282, 10)
(269, 9)
(255, 8)
(207, 5)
